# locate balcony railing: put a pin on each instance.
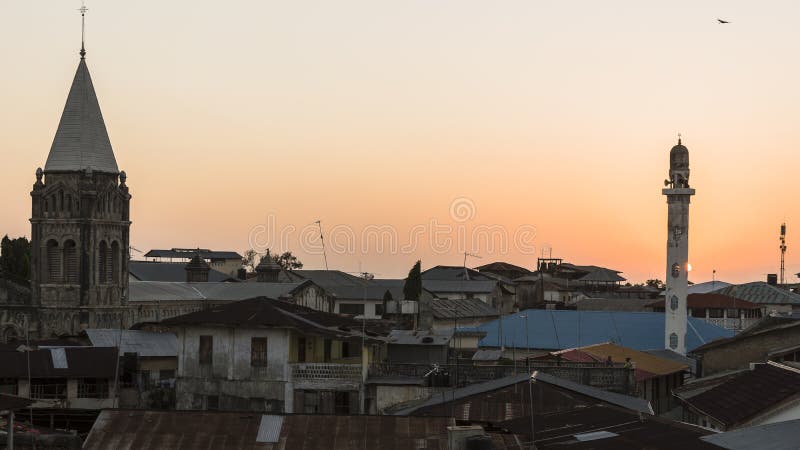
(326, 371)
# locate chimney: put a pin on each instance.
(197, 270)
(772, 279)
(467, 438)
(425, 312)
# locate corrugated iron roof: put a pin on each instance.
(761, 293)
(268, 313)
(647, 365)
(144, 343)
(773, 436)
(169, 271)
(79, 362)
(182, 430)
(444, 308)
(748, 393)
(464, 286)
(561, 329)
(269, 430)
(157, 291)
(484, 391)
(189, 253)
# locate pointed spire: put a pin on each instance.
(81, 141)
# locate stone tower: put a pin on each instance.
(678, 195)
(80, 222)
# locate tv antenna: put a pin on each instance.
(783, 251)
(322, 239)
(467, 254)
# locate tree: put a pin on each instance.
(412, 289)
(655, 283)
(15, 259)
(249, 259)
(287, 261)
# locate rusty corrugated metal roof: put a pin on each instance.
(182, 430)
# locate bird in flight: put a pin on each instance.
(722, 21)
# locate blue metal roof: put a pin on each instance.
(562, 329)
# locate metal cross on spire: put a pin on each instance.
(679, 139)
(83, 10)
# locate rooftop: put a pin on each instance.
(748, 393)
(647, 365)
(499, 400)
(188, 253)
(169, 271)
(712, 300)
(183, 430)
(156, 291)
(444, 309)
(562, 329)
(146, 344)
(773, 436)
(761, 293)
(268, 313)
(78, 362)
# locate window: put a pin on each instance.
(206, 350)
(673, 341)
(8, 386)
(301, 349)
(351, 350)
(258, 352)
(311, 402)
(699, 312)
(673, 302)
(164, 375)
(92, 388)
(49, 388)
(102, 263)
(353, 309)
(327, 351)
(341, 402)
(732, 313)
(53, 262)
(115, 261)
(379, 309)
(715, 313)
(70, 262)
(212, 402)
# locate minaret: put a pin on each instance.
(678, 195)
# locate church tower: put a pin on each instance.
(80, 221)
(678, 195)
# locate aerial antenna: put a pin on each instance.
(83, 10)
(322, 239)
(466, 254)
(783, 250)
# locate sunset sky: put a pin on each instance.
(557, 115)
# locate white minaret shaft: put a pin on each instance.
(678, 195)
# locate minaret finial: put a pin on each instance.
(679, 139)
(83, 10)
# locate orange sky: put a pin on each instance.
(555, 115)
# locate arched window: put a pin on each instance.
(102, 263)
(60, 206)
(53, 262)
(70, 262)
(115, 262)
